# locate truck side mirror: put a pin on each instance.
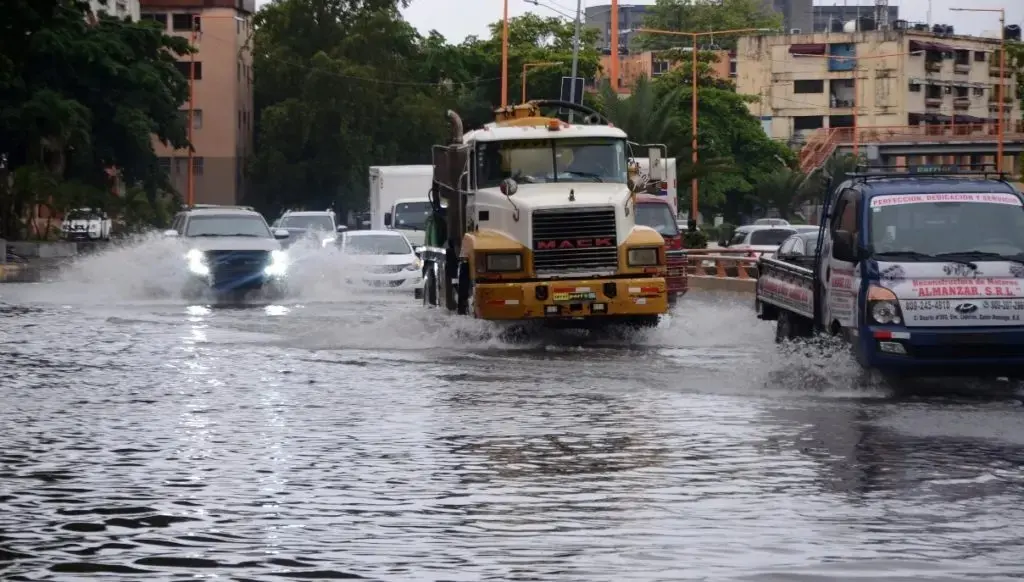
(387, 219)
(508, 186)
(843, 246)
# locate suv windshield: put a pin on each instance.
(227, 225)
(411, 215)
(308, 222)
(937, 224)
(84, 214)
(657, 216)
(552, 160)
(377, 244)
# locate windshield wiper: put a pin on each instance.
(980, 255)
(926, 257)
(596, 177)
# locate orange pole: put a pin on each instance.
(615, 45)
(693, 131)
(504, 57)
(191, 196)
(856, 104)
(1002, 83)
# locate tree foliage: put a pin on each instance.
(78, 100)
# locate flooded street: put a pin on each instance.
(341, 434)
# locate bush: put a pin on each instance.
(695, 239)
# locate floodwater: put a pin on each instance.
(343, 434)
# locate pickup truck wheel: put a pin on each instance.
(430, 287)
(783, 327)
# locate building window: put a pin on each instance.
(183, 22)
(180, 165)
(980, 56)
(808, 122)
(962, 57)
(197, 118)
(239, 71)
(155, 17)
(979, 92)
(810, 86)
(185, 68)
(914, 87)
(197, 166)
(239, 119)
(164, 164)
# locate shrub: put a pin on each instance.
(695, 239)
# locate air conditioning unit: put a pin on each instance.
(794, 31)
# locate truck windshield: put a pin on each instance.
(657, 216)
(412, 215)
(947, 223)
(552, 160)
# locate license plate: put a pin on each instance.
(575, 296)
(967, 338)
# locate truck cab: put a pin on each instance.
(924, 275)
(535, 219)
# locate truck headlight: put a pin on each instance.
(504, 262)
(643, 257)
(278, 264)
(197, 262)
(883, 306)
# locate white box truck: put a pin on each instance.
(399, 199)
(670, 188)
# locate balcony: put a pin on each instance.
(962, 68)
(933, 102)
(962, 103)
(993, 71)
(933, 66)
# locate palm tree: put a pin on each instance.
(783, 190)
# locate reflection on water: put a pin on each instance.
(363, 436)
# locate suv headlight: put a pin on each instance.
(413, 266)
(883, 307)
(643, 257)
(197, 262)
(503, 262)
(278, 264)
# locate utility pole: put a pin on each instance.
(575, 59)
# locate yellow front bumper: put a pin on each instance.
(574, 298)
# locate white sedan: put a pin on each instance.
(381, 258)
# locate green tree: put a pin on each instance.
(782, 190)
(79, 98)
(694, 16)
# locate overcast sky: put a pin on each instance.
(456, 19)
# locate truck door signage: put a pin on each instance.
(573, 243)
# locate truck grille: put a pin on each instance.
(571, 240)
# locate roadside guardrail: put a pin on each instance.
(721, 270)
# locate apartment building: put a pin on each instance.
(222, 113)
(650, 64)
(117, 8)
(895, 93)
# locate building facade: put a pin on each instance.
(116, 8)
(222, 115)
(931, 94)
(649, 64)
(834, 17)
(631, 17)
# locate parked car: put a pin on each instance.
(799, 249)
(86, 224)
(758, 240)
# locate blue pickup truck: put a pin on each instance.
(922, 274)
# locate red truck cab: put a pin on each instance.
(655, 212)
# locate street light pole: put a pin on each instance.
(575, 59)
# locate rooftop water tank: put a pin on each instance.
(850, 26)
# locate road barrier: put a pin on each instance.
(721, 270)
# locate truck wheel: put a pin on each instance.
(430, 287)
(643, 321)
(783, 327)
(465, 291)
